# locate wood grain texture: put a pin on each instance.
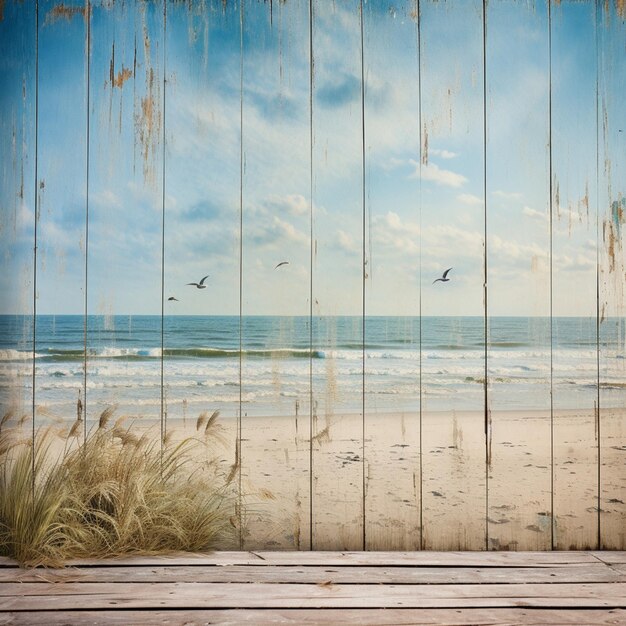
(321, 574)
(355, 617)
(209, 589)
(18, 596)
(413, 559)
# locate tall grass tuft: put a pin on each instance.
(115, 494)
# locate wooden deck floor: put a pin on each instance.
(323, 587)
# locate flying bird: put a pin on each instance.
(201, 284)
(444, 278)
(281, 263)
(173, 298)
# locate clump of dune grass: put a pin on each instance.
(118, 493)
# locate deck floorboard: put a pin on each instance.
(322, 588)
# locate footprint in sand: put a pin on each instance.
(534, 528)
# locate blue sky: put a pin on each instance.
(424, 195)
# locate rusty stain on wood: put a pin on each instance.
(63, 11)
(611, 241)
(121, 77)
(117, 79)
(1, 10)
(148, 124)
(620, 7)
(585, 200)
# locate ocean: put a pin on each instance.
(404, 362)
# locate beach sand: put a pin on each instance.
(397, 482)
(392, 501)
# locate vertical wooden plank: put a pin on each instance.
(612, 275)
(276, 275)
(201, 228)
(392, 496)
(518, 273)
(452, 236)
(574, 274)
(18, 30)
(125, 211)
(61, 215)
(337, 370)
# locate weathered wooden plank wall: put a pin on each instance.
(453, 435)
(371, 145)
(125, 201)
(392, 421)
(62, 190)
(337, 276)
(18, 67)
(574, 270)
(612, 271)
(276, 228)
(518, 133)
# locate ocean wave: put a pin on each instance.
(54, 354)
(338, 353)
(18, 355)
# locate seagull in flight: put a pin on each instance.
(173, 298)
(281, 263)
(201, 284)
(444, 278)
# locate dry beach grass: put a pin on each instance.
(119, 492)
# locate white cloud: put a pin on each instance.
(444, 154)
(293, 204)
(468, 198)
(579, 263)
(346, 241)
(502, 250)
(434, 173)
(438, 241)
(507, 195)
(105, 199)
(289, 231)
(395, 236)
(533, 213)
(393, 163)
(391, 233)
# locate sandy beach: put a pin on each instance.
(392, 501)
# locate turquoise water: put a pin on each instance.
(396, 360)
